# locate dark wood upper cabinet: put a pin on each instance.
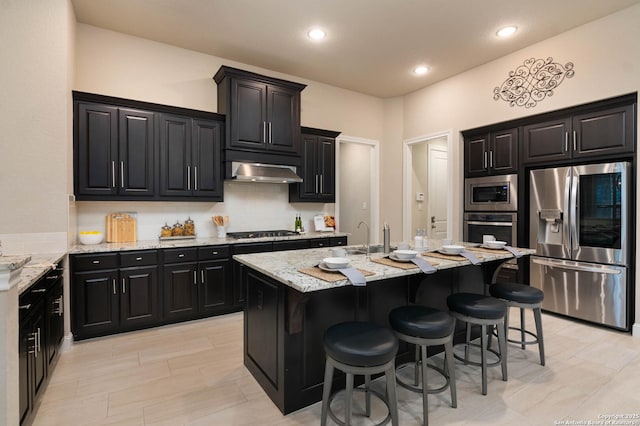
(491, 153)
(600, 132)
(115, 151)
(263, 113)
(604, 132)
(546, 141)
(318, 167)
(160, 153)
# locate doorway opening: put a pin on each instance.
(357, 188)
(427, 187)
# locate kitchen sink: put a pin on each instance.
(376, 248)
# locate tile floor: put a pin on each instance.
(192, 374)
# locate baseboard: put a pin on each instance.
(635, 331)
(67, 342)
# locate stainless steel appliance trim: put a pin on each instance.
(576, 266)
(470, 222)
(510, 205)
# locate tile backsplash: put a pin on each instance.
(33, 243)
(250, 206)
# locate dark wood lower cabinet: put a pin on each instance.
(41, 330)
(214, 292)
(139, 296)
(180, 284)
(95, 307)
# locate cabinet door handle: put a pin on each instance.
(60, 309)
(490, 158)
(38, 348)
(114, 286)
(264, 132)
(202, 276)
(27, 306)
(574, 140)
(195, 178)
(124, 289)
(316, 184)
(321, 184)
(485, 159)
(33, 337)
(270, 140)
(189, 177)
(122, 174)
(113, 174)
(195, 278)
(566, 141)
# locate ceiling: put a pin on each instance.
(371, 45)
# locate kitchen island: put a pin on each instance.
(288, 311)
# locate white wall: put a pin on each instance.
(119, 65)
(36, 41)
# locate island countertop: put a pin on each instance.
(284, 266)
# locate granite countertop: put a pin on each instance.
(283, 266)
(12, 262)
(211, 241)
(36, 268)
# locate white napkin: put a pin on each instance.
(425, 266)
(470, 257)
(355, 276)
(513, 251)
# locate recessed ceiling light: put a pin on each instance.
(421, 69)
(316, 34)
(506, 31)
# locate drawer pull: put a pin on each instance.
(39, 290)
(181, 255)
(95, 262)
(215, 252)
(138, 258)
(53, 277)
(25, 306)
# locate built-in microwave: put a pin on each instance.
(491, 193)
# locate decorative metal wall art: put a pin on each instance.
(532, 81)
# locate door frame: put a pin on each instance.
(407, 160)
(374, 162)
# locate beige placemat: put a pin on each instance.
(486, 250)
(454, 257)
(401, 265)
(331, 277)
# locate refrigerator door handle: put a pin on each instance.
(576, 266)
(568, 220)
(575, 211)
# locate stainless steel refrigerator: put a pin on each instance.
(579, 226)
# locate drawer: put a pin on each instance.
(213, 252)
(319, 242)
(338, 241)
(138, 258)
(180, 255)
(88, 262)
(290, 245)
(245, 248)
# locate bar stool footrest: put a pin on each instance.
(476, 363)
(375, 393)
(419, 389)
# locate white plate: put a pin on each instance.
(324, 267)
(493, 248)
(495, 244)
(336, 262)
(405, 254)
(449, 253)
(451, 249)
(397, 259)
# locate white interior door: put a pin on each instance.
(437, 193)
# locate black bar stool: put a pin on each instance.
(360, 348)
(424, 327)
(477, 309)
(522, 296)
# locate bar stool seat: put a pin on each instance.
(522, 296)
(424, 326)
(478, 309)
(360, 348)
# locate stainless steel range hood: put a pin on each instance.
(259, 172)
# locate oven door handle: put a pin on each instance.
(490, 223)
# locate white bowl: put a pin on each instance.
(495, 244)
(336, 262)
(90, 238)
(452, 249)
(405, 254)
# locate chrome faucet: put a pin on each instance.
(367, 245)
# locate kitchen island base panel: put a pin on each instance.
(283, 328)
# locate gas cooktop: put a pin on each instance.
(261, 234)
